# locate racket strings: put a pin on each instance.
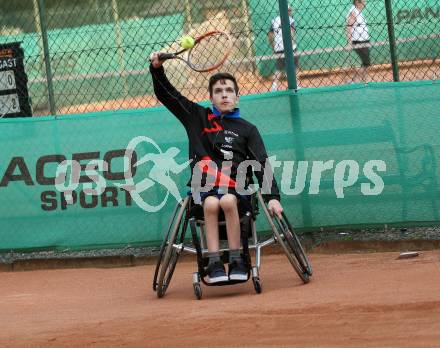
(209, 51)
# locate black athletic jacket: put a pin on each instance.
(227, 140)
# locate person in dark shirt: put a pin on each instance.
(222, 145)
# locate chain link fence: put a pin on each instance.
(92, 55)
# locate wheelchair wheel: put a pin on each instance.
(293, 249)
(159, 261)
(169, 253)
(164, 246)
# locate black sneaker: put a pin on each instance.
(238, 270)
(216, 273)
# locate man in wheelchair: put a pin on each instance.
(222, 146)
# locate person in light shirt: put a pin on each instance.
(359, 38)
(275, 36)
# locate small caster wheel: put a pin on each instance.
(305, 277)
(197, 290)
(257, 285)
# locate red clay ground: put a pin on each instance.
(354, 300)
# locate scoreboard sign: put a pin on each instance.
(14, 97)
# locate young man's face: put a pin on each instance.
(224, 97)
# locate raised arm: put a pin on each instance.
(167, 94)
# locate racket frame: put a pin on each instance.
(176, 55)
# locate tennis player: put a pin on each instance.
(219, 140)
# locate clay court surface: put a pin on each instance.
(354, 300)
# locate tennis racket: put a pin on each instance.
(208, 53)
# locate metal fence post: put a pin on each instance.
(43, 23)
(287, 41)
(298, 145)
(392, 40)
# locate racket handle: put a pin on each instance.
(165, 56)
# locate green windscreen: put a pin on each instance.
(349, 156)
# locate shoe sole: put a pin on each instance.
(217, 279)
(238, 277)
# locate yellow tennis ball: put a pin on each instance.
(187, 42)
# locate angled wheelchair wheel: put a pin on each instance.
(163, 246)
(169, 251)
(289, 241)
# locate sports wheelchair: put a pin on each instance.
(187, 213)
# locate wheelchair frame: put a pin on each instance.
(174, 244)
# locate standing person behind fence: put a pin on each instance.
(275, 36)
(359, 38)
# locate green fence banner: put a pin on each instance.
(348, 156)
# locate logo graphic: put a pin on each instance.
(163, 164)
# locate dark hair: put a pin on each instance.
(222, 76)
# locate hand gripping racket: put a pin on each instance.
(208, 53)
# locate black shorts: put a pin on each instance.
(217, 193)
(244, 205)
(362, 52)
